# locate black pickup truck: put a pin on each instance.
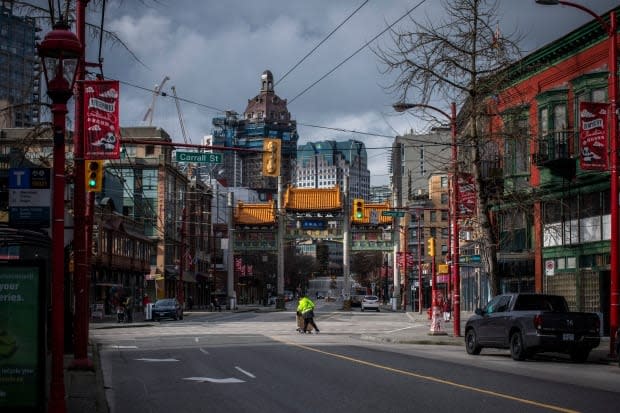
(532, 323)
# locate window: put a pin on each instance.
(444, 181)
(516, 144)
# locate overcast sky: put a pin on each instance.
(215, 51)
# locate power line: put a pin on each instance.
(320, 43)
(357, 51)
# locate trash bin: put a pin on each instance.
(148, 311)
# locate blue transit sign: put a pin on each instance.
(29, 197)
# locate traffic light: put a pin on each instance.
(94, 176)
(431, 247)
(271, 157)
(358, 209)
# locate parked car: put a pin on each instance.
(532, 323)
(320, 295)
(370, 302)
(167, 308)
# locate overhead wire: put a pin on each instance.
(321, 42)
(365, 45)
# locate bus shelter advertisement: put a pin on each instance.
(21, 337)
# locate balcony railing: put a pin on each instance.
(554, 147)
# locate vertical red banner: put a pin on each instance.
(593, 136)
(467, 196)
(101, 122)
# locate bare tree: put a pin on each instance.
(462, 58)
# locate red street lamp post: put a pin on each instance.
(454, 253)
(59, 52)
(612, 89)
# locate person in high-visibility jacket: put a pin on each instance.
(306, 308)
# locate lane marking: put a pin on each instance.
(247, 373)
(122, 347)
(157, 360)
(203, 351)
(433, 379)
(230, 380)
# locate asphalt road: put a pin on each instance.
(248, 362)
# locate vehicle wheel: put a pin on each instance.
(378, 309)
(517, 347)
(580, 355)
(471, 343)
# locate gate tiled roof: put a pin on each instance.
(313, 199)
(255, 214)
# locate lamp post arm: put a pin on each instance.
(598, 18)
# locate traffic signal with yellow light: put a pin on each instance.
(358, 209)
(271, 157)
(431, 247)
(94, 176)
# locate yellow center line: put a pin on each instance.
(432, 379)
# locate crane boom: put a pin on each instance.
(176, 101)
(148, 116)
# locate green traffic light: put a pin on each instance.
(359, 214)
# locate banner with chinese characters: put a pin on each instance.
(593, 136)
(101, 123)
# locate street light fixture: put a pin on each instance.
(454, 255)
(59, 52)
(612, 88)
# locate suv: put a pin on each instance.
(167, 308)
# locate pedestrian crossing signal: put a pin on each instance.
(94, 176)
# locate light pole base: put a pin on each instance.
(436, 323)
(346, 305)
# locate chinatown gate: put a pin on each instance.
(307, 215)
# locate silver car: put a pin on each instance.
(370, 302)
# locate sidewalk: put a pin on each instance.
(85, 388)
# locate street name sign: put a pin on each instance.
(393, 213)
(199, 157)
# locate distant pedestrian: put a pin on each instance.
(306, 308)
(447, 309)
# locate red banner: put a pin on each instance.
(467, 196)
(593, 136)
(101, 123)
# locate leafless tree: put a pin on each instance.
(460, 58)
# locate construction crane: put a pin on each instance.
(176, 101)
(148, 116)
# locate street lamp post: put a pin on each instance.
(59, 52)
(614, 287)
(454, 254)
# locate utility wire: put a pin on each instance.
(320, 43)
(365, 45)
